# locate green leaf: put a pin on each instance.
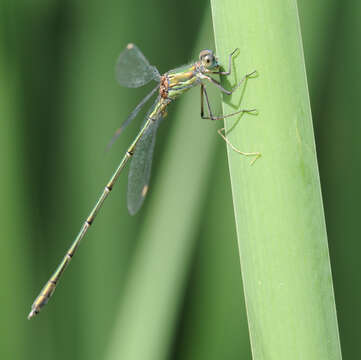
(277, 201)
(152, 299)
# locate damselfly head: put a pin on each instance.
(208, 59)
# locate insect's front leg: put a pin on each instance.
(229, 65)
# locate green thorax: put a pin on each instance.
(173, 84)
(181, 79)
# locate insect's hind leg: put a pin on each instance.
(256, 155)
(221, 132)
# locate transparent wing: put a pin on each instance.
(133, 69)
(131, 116)
(140, 167)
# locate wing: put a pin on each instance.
(140, 167)
(131, 116)
(133, 69)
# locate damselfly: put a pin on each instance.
(133, 70)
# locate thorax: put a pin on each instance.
(176, 82)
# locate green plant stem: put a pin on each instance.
(277, 202)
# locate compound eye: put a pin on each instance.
(207, 58)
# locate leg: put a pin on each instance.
(221, 132)
(204, 92)
(229, 65)
(202, 101)
(229, 92)
(256, 155)
(211, 117)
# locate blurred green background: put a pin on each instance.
(165, 283)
